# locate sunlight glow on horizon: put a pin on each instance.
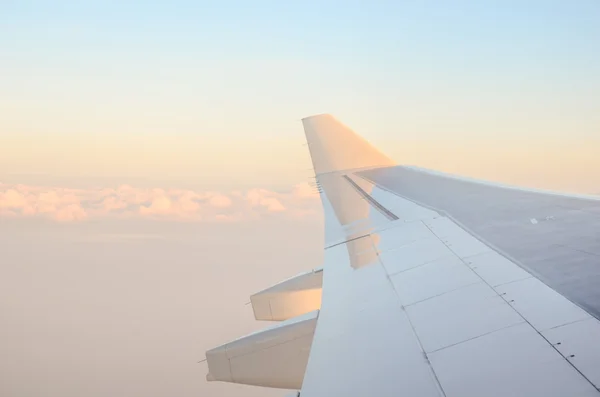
(212, 97)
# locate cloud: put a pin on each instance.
(160, 205)
(220, 201)
(261, 198)
(305, 190)
(70, 205)
(71, 212)
(272, 204)
(12, 199)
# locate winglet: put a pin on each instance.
(335, 147)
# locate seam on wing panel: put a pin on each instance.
(403, 307)
(229, 365)
(541, 335)
(569, 323)
(502, 253)
(510, 282)
(436, 379)
(347, 241)
(429, 207)
(493, 247)
(273, 346)
(477, 337)
(443, 293)
(387, 213)
(444, 213)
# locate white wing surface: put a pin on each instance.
(432, 285)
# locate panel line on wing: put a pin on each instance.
(387, 213)
(519, 313)
(476, 337)
(348, 240)
(426, 357)
(476, 236)
(438, 295)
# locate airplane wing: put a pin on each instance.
(431, 285)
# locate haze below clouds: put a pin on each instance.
(127, 308)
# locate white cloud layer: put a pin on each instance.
(69, 205)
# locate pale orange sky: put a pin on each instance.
(280, 162)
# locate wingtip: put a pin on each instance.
(334, 146)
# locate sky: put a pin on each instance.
(140, 140)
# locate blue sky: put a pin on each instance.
(213, 74)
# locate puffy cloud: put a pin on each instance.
(57, 204)
(70, 212)
(69, 205)
(304, 190)
(160, 205)
(113, 203)
(11, 198)
(187, 202)
(265, 199)
(220, 201)
(272, 204)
